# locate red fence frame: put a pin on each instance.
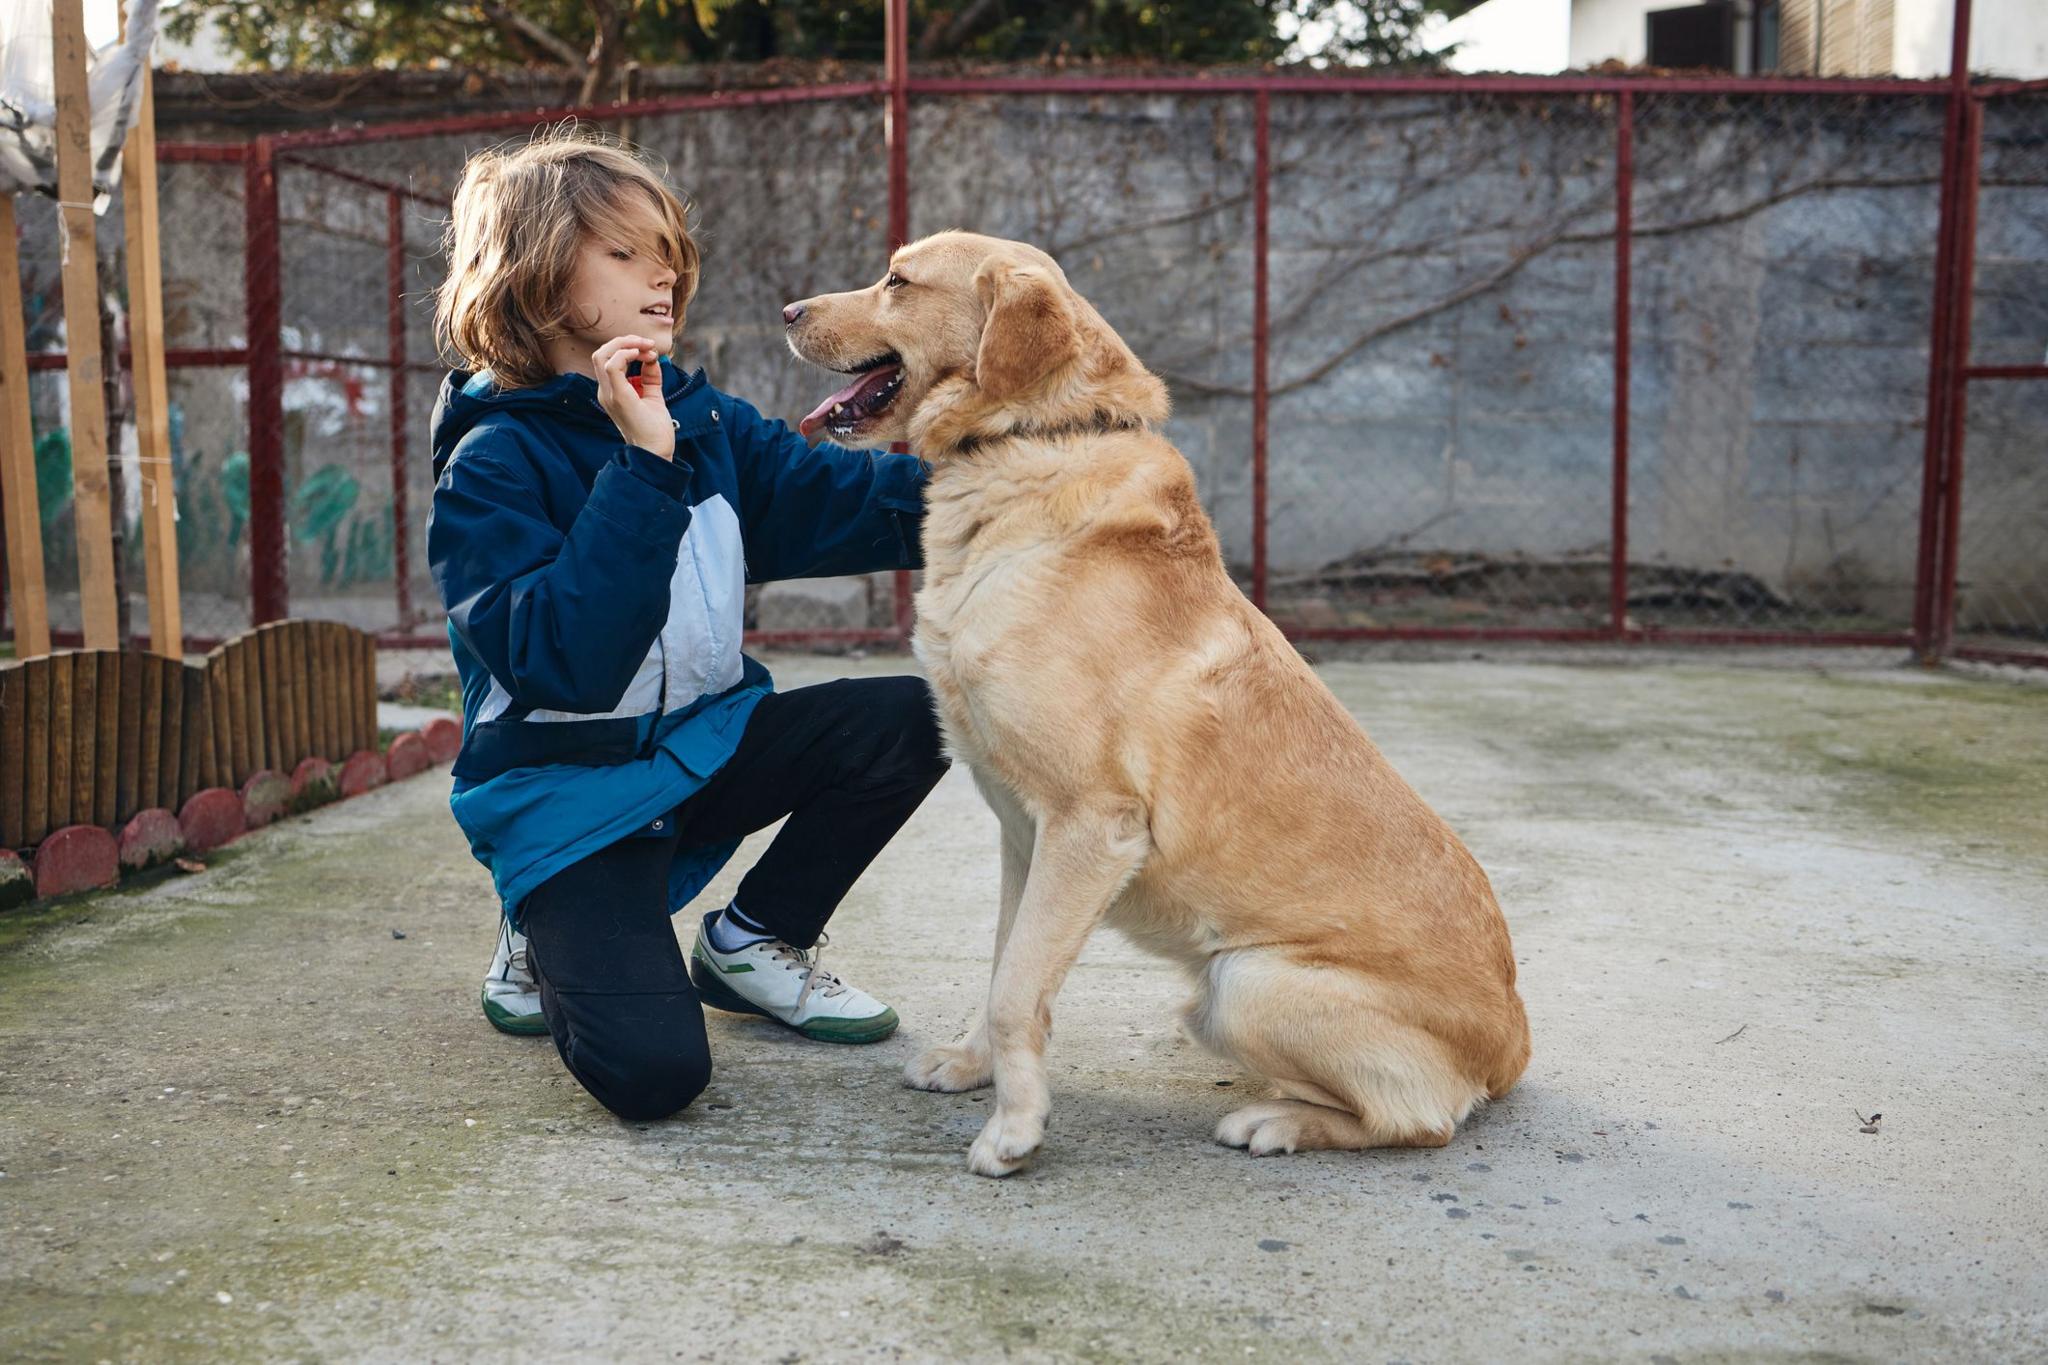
(1932, 632)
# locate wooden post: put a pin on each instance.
(84, 366)
(24, 529)
(331, 684)
(85, 748)
(222, 707)
(128, 739)
(300, 654)
(249, 678)
(149, 765)
(35, 782)
(366, 684)
(197, 741)
(56, 738)
(345, 676)
(13, 751)
(107, 735)
(152, 388)
(276, 700)
(171, 748)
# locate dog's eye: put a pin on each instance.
(895, 281)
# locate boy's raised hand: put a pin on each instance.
(635, 404)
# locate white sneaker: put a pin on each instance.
(786, 984)
(511, 995)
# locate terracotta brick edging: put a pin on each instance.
(80, 858)
(151, 837)
(17, 883)
(77, 858)
(212, 818)
(364, 772)
(407, 755)
(264, 798)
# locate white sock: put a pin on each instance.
(732, 930)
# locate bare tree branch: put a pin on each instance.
(524, 31)
(1513, 265)
(606, 49)
(946, 33)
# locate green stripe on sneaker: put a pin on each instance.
(505, 1021)
(851, 1030)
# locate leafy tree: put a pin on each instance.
(592, 38)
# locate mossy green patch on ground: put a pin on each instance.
(1967, 759)
(1941, 756)
(24, 924)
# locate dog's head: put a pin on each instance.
(967, 339)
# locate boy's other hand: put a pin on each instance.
(635, 403)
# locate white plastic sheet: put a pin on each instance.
(28, 99)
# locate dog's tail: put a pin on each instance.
(1513, 1058)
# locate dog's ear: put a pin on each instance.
(1027, 330)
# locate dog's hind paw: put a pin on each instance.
(1277, 1126)
(952, 1068)
(1262, 1129)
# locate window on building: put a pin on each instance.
(1693, 36)
(1764, 54)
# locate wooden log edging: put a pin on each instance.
(113, 742)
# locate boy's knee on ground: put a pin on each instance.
(645, 1082)
(640, 1056)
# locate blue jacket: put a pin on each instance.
(595, 594)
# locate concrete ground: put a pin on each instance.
(240, 1118)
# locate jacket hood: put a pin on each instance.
(467, 398)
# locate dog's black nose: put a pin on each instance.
(791, 314)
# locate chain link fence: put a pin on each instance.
(2001, 590)
(1442, 308)
(1784, 263)
(1442, 455)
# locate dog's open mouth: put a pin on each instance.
(866, 398)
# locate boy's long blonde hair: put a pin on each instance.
(520, 218)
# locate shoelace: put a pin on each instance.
(518, 964)
(815, 976)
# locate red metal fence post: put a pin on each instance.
(1261, 224)
(269, 594)
(1624, 242)
(896, 134)
(1963, 294)
(1942, 358)
(394, 272)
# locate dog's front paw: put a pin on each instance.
(1007, 1140)
(952, 1068)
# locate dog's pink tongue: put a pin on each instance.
(851, 394)
(811, 424)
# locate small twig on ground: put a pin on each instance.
(1732, 1037)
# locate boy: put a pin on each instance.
(596, 518)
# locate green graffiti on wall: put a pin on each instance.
(326, 510)
(53, 474)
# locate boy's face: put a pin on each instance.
(623, 286)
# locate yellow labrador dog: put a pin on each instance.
(1158, 755)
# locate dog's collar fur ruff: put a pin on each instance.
(1100, 424)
